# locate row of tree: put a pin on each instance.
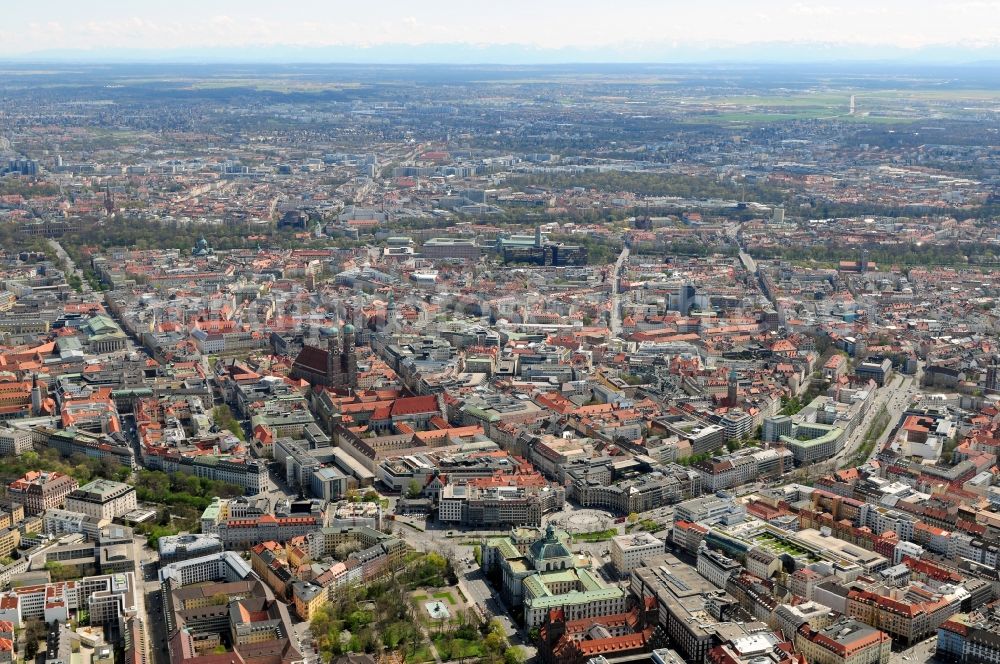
(885, 255)
(180, 489)
(79, 466)
(654, 184)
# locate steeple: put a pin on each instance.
(349, 357)
(332, 356)
(36, 396)
(732, 393)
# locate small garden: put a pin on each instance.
(776, 545)
(469, 642)
(596, 535)
(382, 615)
(369, 619)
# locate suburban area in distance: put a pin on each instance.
(401, 363)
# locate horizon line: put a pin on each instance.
(201, 60)
(458, 53)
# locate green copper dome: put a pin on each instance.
(549, 547)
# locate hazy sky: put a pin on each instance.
(545, 24)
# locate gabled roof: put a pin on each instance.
(313, 358)
(414, 405)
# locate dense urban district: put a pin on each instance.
(573, 365)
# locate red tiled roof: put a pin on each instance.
(414, 405)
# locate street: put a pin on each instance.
(895, 397)
(897, 405)
(615, 324)
(147, 599)
(919, 653)
(303, 639)
(73, 270)
(472, 583)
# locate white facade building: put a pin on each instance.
(628, 551)
(14, 442)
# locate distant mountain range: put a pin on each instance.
(518, 54)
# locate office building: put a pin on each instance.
(108, 598)
(875, 369)
(709, 510)
(968, 638)
(500, 502)
(226, 566)
(62, 522)
(811, 442)
(175, 548)
(628, 551)
(716, 566)
(102, 499)
(691, 608)
(776, 427)
(232, 621)
(450, 248)
(14, 442)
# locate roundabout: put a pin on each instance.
(582, 520)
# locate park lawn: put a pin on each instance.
(446, 595)
(457, 648)
(829, 101)
(420, 655)
(596, 536)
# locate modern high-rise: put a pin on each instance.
(776, 427)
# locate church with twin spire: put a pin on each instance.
(335, 366)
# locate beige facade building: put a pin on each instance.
(102, 499)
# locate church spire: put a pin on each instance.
(36, 395)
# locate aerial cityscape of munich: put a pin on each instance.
(553, 332)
